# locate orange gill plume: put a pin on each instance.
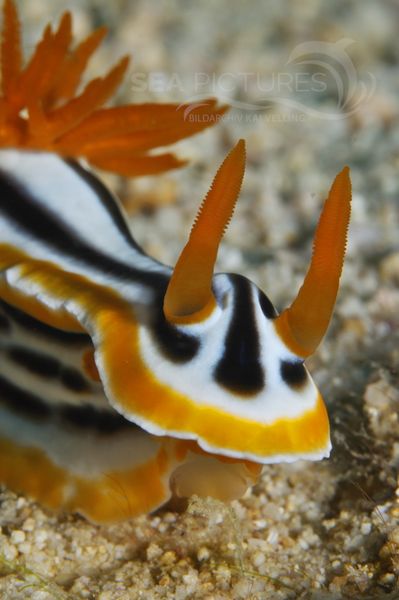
(189, 297)
(41, 109)
(303, 325)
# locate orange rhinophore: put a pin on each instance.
(303, 325)
(41, 109)
(189, 296)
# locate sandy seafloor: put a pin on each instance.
(324, 530)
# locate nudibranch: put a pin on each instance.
(123, 381)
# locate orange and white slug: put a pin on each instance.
(123, 381)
